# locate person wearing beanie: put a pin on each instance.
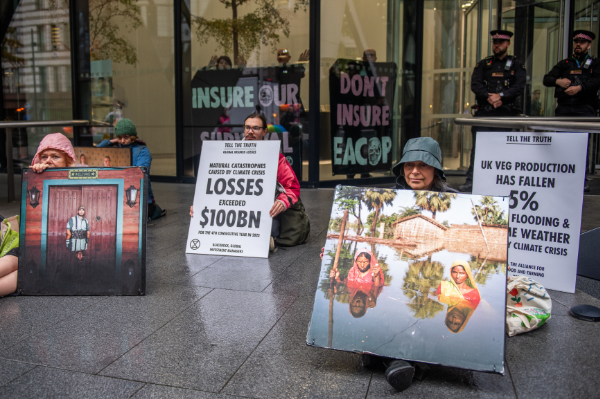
(126, 137)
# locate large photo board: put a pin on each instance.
(543, 174)
(418, 275)
(235, 191)
(83, 232)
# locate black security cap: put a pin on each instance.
(583, 34)
(501, 34)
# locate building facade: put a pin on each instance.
(343, 83)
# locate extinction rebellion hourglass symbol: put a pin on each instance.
(195, 244)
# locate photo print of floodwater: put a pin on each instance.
(417, 275)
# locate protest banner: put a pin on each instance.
(361, 100)
(543, 174)
(414, 275)
(235, 191)
(83, 231)
(221, 99)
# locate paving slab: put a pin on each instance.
(557, 360)
(91, 340)
(44, 382)
(244, 274)
(238, 342)
(9, 370)
(203, 347)
(24, 316)
(152, 391)
(284, 366)
(447, 382)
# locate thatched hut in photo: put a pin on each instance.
(419, 227)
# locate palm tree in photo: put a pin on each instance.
(375, 199)
(350, 198)
(489, 211)
(421, 280)
(433, 202)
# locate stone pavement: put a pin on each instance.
(219, 327)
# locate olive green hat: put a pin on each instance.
(125, 127)
(423, 149)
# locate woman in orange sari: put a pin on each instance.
(461, 286)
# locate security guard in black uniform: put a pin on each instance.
(577, 79)
(497, 82)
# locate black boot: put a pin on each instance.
(400, 374)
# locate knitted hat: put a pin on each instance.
(125, 127)
(55, 141)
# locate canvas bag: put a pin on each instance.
(295, 226)
(528, 305)
(9, 235)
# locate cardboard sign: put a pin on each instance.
(102, 156)
(362, 97)
(83, 232)
(235, 191)
(414, 275)
(543, 174)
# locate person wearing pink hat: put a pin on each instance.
(55, 151)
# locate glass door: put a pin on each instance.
(456, 37)
(537, 29)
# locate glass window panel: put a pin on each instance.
(133, 76)
(36, 75)
(541, 23)
(247, 61)
(368, 36)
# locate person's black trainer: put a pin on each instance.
(400, 374)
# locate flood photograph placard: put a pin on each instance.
(414, 275)
(83, 232)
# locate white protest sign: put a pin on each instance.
(235, 190)
(543, 174)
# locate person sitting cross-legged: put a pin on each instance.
(290, 223)
(127, 137)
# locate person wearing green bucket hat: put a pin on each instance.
(421, 167)
(126, 136)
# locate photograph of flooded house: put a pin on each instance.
(414, 275)
(485, 240)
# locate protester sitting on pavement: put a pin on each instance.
(419, 169)
(9, 256)
(290, 222)
(54, 151)
(126, 137)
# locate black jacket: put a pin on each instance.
(588, 77)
